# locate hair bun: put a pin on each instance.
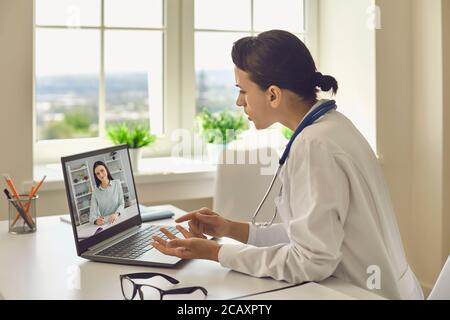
(318, 78)
(325, 83)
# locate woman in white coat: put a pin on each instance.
(336, 213)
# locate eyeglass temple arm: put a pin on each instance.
(186, 290)
(148, 275)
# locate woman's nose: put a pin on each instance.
(240, 102)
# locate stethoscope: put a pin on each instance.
(307, 121)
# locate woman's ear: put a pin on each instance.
(274, 96)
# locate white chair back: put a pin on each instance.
(243, 177)
(441, 289)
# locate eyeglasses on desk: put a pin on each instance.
(131, 289)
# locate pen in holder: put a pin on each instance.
(22, 214)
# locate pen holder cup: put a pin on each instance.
(22, 214)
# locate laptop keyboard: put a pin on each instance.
(137, 244)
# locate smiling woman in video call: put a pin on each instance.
(107, 201)
(336, 214)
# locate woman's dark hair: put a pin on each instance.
(280, 58)
(97, 164)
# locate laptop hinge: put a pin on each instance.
(113, 239)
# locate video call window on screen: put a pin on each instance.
(102, 192)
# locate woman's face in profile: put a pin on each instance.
(254, 101)
(101, 173)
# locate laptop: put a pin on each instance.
(104, 210)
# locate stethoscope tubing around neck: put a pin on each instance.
(312, 117)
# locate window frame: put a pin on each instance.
(179, 93)
(188, 48)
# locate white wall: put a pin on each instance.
(427, 215)
(347, 52)
(16, 100)
(446, 85)
(393, 101)
(399, 73)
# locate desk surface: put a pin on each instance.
(44, 265)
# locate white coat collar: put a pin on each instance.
(314, 107)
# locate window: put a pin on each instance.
(218, 24)
(97, 62)
(156, 62)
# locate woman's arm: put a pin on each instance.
(94, 212)
(238, 231)
(204, 221)
(267, 237)
(319, 200)
(121, 203)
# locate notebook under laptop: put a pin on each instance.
(98, 196)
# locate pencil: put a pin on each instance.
(25, 210)
(30, 197)
(19, 209)
(12, 187)
(33, 193)
(10, 183)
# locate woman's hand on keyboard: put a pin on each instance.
(190, 248)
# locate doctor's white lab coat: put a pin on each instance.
(337, 218)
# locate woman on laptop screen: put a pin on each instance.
(107, 201)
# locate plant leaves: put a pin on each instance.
(134, 136)
(222, 127)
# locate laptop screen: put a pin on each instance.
(101, 191)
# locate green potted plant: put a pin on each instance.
(135, 136)
(219, 129)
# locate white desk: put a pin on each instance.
(44, 265)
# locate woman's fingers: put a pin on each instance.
(168, 234)
(208, 219)
(195, 227)
(199, 221)
(192, 215)
(184, 232)
(163, 248)
(192, 233)
(189, 234)
(159, 240)
(192, 248)
(178, 251)
(186, 217)
(179, 243)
